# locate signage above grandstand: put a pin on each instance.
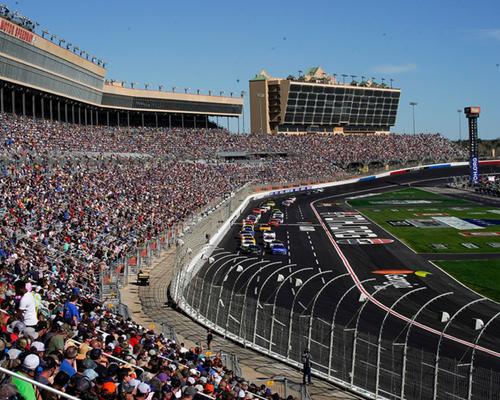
(16, 31)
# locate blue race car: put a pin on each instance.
(278, 249)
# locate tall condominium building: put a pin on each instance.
(316, 102)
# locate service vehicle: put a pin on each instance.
(279, 249)
(143, 279)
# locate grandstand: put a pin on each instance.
(45, 77)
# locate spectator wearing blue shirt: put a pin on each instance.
(69, 363)
(71, 313)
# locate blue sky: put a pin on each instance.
(443, 54)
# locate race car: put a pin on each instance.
(273, 222)
(264, 227)
(286, 203)
(270, 203)
(246, 243)
(252, 249)
(256, 211)
(279, 249)
(269, 234)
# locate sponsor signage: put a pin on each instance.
(397, 281)
(457, 223)
(427, 223)
(472, 110)
(494, 211)
(439, 246)
(399, 202)
(480, 233)
(365, 241)
(474, 170)
(469, 245)
(431, 215)
(306, 228)
(349, 225)
(483, 222)
(399, 223)
(16, 31)
(494, 244)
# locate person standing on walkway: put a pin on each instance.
(306, 362)
(210, 338)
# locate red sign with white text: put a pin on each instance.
(16, 31)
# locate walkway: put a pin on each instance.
(148, 307)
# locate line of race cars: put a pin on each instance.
(253, 223)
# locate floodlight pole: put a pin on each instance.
(413, 104)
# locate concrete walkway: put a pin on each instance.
(148, 307)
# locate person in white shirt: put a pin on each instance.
(27, 308)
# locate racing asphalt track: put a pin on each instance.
(312, 247)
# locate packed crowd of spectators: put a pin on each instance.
(67, 341)
(45, 136)
(68, 213)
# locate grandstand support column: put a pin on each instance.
(58, 111)
(79, 115)
(206, 121)
(42, 104)
(33, 105)
(118, 118)
(96, 117)
(142, 115)
(73, 113)
(156, 119)
(91, 117)
(107, 118)
(182, 117)
(50, 110)
(228, 124)
(195, 122)
(13, 95)
(66, 112)
(1, 99)
(85, 115)
(24, 104)
(169, 121)
(128, 119)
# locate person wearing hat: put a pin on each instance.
(48, 371)
(57, 341)
(27, 309)
(28, 369)
(142, 391)
(189, 393)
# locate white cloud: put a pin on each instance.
(491, 33)
(394, 69)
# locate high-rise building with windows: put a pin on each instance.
(316, 102)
